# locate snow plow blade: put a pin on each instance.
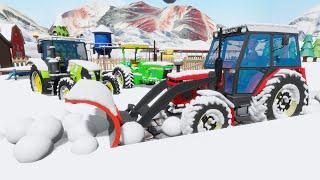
(96, 94)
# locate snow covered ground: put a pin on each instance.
(282, 149)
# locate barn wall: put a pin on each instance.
(5, 56)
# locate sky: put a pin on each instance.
(226, 12)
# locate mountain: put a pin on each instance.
(27, 25)
(309, 22)
(141, 22)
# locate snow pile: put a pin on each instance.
(83, 91)
(17, 129)
(46, 126)
(84, 145)
(181, 74)
(32, 148)
(131, 133)
(171, 126)
(90, 66)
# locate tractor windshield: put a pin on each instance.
(230, 51)
(66, 50)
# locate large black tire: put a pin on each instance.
(285, 95)
(123, 76)
(43, 84)
(111, 83)
(64, 86)
(205, 114)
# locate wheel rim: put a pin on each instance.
(109, 86)
(119, 78)
(36, 82)
(64, 90)
(286, 101)
(211, 120)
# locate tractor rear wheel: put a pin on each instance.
(285, 95)
(111, 83)
(124, 76)
(37, 83)
(64, 87)
(205, 114)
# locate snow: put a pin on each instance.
(188, 73)
(20, 68)
(32, 148)
(83, 91)
(81, 128)
(39, 63)
(17, 128)
(84, 145)
(6, 30)
(171, 126)
(209, 93)
(272, 28)
(159, 63)
(102, 28)
(266, 148)
(131, 133)
(47, 126)
(90, 66)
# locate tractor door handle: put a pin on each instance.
(232, 71)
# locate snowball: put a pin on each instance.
(131, 133)
(171, 126)
(84, 128)
(32, 148)
(71, 120)
(47, 126)
(17, 129)
(84, 145)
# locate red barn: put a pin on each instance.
(5, 53)
(14, 35)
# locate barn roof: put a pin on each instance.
(2, 38)
(6, 30)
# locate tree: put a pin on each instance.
(307, 48)
(316, 49)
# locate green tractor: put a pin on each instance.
(59, 31)
(63, 63)
(139, 70)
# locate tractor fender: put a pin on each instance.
(39, 63)
(210, 93)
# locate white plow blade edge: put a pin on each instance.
(96, 94)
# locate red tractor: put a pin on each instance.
(253, 73)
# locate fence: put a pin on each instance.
(109, 64)
(19, 62)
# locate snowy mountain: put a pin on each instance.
(141, 22)
(309, 22)
(9, 15)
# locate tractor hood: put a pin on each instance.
(90, 66)
(190, 75)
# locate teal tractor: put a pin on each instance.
(139, 70)
(63, 63)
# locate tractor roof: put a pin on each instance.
(262, 28)
(51, 38)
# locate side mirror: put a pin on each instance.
(285, 40)
(52, 51)
(39, 48)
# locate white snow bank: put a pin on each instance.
(131, 133)
(82, 128)
(32, 148)
(84, 145)
(94, 91)
(71, 120)
(17, 128)
(312, 71)
(188, 73)
(159, 63)
(47, 126)
(171, 126)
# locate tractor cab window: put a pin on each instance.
(257, 53)
(285, 55)
(231, 49)
(212, 55)
(66, 50)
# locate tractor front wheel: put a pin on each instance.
(36, 80)
(205, 114)
(64, 87)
